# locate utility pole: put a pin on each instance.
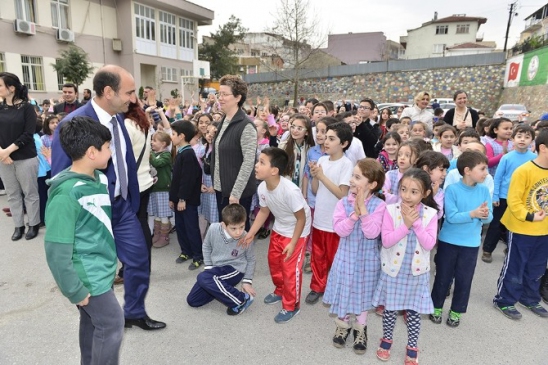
(510, 16)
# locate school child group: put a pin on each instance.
(367, 225)
(373, 230)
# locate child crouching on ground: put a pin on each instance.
(79, 242)
(226, 265)
(289, 233)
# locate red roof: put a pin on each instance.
(469, 45)
(457, 18)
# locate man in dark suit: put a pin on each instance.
(70, 100)
(115, 89)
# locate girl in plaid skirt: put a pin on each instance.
(208, 205)
(355, 271)
(158, 204)
(409, 232)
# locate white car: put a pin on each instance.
(392, 106)
(442, 100)
(447, 106)
(512, 112)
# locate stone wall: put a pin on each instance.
(535, 98)
(484, 85)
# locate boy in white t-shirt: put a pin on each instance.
(282, 198)
(330, 182)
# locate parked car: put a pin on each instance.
(512, 112)
(447, 106)
(392, 106)
(442, 101)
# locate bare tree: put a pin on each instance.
(299, 37)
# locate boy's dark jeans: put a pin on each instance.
(457, 262)
(101, 330)
(188, 232)
(496, 229)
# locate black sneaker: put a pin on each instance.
(313, 297)
(487, 257)
(537, 309)
(436, 316)
(182, 258)
(195, 264)
(509, 311)
(236, 311)
(341, 334)
(454, 319)
(360, 339)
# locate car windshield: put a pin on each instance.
(447, 106)
(513, 107)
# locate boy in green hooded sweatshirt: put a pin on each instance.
(79, 243)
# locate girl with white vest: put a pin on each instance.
(409, 232)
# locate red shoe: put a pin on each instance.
(6, 210)
(379, 310)
(384, 354)
(411, 360)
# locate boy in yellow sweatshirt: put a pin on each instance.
(526, 221)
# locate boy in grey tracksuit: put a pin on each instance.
(226, 264)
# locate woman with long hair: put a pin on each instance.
(18, 156)
(139, 126)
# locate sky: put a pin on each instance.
(393, 17)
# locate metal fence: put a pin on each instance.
(483, 59)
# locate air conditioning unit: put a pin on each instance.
(25, 27)
(117, 44)
(65, 35)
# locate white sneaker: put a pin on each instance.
(2, 192)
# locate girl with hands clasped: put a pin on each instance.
(408, 234)
(355, 271)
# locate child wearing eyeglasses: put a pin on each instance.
(296, 146)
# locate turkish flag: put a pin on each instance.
(513, 73)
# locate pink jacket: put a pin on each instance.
(343, 225)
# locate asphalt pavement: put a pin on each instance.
(39, 326)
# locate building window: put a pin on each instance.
(169, 74)
(60, 78)
(59, 13)
(167, 28)
(2, 63)
(145, 24)
(438, 48)
(25, 10)
(463, 28)
(33, 75)
(255, 53)
(186, 33)
(442, 29)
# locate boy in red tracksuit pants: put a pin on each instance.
(282, 198)
(330, 182)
